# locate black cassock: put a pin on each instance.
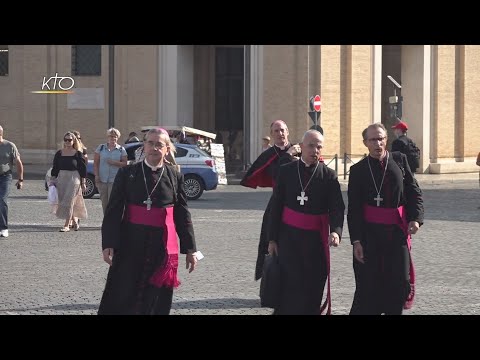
(263, 173)
(300, 252)
(139, 250)
(382, 283)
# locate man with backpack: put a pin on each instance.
(406, 145)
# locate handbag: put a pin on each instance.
(52, 195)
(270, 284)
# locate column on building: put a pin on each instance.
(444, 117)
(256, 100)
(417, 90)
(455, 107)
(360, 91)
(377, 51)
(333, 101)
(470, 104)
(347, 100)
(175, 83)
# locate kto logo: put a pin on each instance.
(56, 85)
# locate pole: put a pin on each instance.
(246, 105)
(308, 70)
(111, 84)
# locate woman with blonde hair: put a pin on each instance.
(68, 175)
(108, 159)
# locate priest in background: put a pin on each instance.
(263, 172)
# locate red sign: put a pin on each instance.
(317, 103)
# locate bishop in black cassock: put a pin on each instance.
(384, 200)
(145, 212)
(307, 209)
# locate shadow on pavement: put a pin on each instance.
(64, 307)
(30, 197)
(48, 228)
(232, 201)
(226, 303)
(439, 205)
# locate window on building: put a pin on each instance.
(87, 60)
(3, 60)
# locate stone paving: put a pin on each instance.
(45, 272)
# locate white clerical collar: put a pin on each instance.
(306, 165)
(281, 147)
(154, 168)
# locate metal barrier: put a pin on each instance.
(333, 158)
(347, 157)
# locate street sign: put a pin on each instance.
(317, 127)
(317, 103)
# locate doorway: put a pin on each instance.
(229, 104)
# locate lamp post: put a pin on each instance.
(246, 105)
(395, 101)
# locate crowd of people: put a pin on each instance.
(305, 216)
(145, 209)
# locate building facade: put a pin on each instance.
(236, 91)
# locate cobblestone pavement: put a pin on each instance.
(44, 271)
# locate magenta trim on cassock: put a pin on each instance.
(394, 216)
(165, 275)
(318, 223)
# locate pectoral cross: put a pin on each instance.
(378, 199)
(302, 198)
(148, 202)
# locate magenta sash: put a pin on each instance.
(394, 216)
(166, 274)
(318, 223)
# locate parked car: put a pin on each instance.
(197, 167)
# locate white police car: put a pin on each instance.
(197, 167)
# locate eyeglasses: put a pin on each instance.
(67, 140)
(158, 145)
